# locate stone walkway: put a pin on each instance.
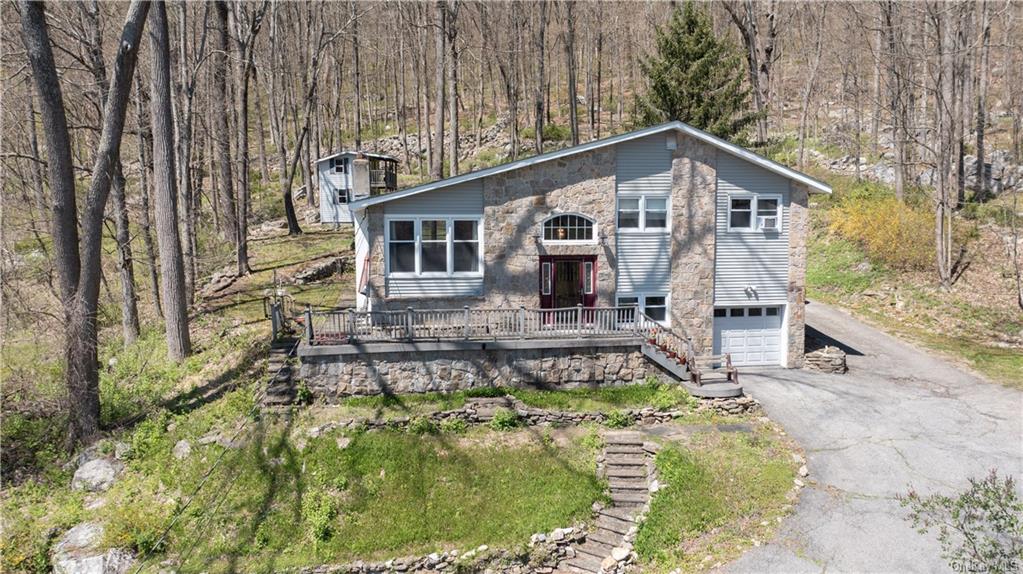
(628, 469)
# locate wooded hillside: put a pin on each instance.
(158, 172)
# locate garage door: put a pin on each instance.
(752, 335)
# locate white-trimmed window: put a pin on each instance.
(401, 246)
(341, 196)
(569, 228)
(643, 213)
(337, 165)
(653, 305)
(754, 213)
(434, 246)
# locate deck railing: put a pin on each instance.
(348, 326)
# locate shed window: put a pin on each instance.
(568, 227)
(337, 165)
(341, 196)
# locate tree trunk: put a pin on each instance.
(173, 285)
(573, 112)
(357, 68)
(452, 32)
(981, 91)
(222, 103)
(79, 272)
(144, 222)
(440, 45)
(538, 46)
(811, 80)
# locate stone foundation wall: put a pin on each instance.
(330, 378)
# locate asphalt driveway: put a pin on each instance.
(900, 418)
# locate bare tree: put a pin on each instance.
(452, 34)
(78, 258)
(758, 26)
(172, 292)
(538, 47)
(570, 66)
(440, 43)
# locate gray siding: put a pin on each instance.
(644, 259)
(758, 258)
(644, 166)
(429, 287)
(464, 199)
(644, 262)
(329, 183)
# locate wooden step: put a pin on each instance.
(585, 563)
(624, 449)
(617, 514)
(622, 438)
(625, 471)
(613, 524)
(628, 498)
(627, 483)
(607, 537)
(625, 460)
(595, 549)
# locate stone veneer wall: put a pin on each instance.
(693, 190)
(514, 206)
(330, 378)
(799, 228)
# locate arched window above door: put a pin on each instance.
(569, 228)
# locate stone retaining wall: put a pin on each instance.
(333, 377)
(481, 410)
(826, 360)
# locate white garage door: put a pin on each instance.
(752, 335)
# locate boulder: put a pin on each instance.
(97, 475)
(77, 553)
(182, 449)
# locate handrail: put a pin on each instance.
(342, 326)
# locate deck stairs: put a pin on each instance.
(628, 469)
(698, 375)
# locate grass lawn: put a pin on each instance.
(723, 491)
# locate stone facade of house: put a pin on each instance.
(694, 184)
(799, 229)
(333, 377)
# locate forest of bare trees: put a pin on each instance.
(233, 98)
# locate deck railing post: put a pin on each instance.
(465, 315)
(522, 322)
(308, 324)
(409, 331)
(579, 318)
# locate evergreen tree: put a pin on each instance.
(696, 77)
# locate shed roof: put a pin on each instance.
(698, 134)
(353, 153)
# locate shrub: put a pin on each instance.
(453, 425)
(892, 232)
(148, 434)
(556, 132)
(980, 529)
(505, 419)
(422, 425)
(617, 419)
(303, 395)
(670, 397)
(319, 510)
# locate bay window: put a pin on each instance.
(434, 246)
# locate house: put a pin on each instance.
(704, 237)
(350, 175)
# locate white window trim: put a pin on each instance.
(642, 213)
(593, 241)
(754, 218)
(642, 303)
(418, 234)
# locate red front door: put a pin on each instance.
(567, 281)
